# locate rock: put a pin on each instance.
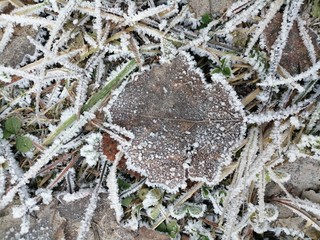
(218, 6)
(201, 7)
(312, 196)
(18, 47)
(106, 224)
(304, 174)
(303, 183)
(61, 220)
(44, 224)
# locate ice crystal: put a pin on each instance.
(91, 150)
(45, 194)
(183, 127)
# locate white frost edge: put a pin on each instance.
(113, 187)
(235, 101)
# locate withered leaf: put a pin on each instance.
(184, 128)
(294, 46)
(109, 149)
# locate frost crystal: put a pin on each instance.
(183, 127)
(90, 151)
(46, 195)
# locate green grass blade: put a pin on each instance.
(99, 96)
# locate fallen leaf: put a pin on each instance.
(184, 128)
(294, 47)
(109, 148)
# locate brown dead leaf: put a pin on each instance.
(109, 148)
(184, 128)
(295, 58)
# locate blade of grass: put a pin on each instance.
(105, 91)
(99, 96)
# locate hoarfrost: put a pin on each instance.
(71, 197)
(196, 230)
(28, 207)
(193, 122)
(46, 195)
(91, 150)
(152, 198)
(2, 160)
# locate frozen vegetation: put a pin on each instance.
(187, 120)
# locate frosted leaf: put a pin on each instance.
(260, 227)
(94, 139)
(153, 212)
(178, 212)
(168, 51)
(152, 198)
(183, 127)
(197, 231)
(282, 176)
(194, 210)
(18, 212)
